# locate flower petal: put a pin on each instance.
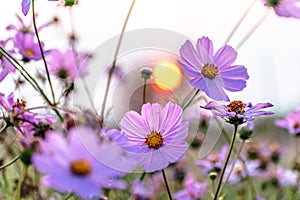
(225, 56)
(205, 50)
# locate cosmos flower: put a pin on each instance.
(26, 6)
(284, 8)
(157, 135)
(139, 191)
(237, 112)
(212, 73)
(291, 123)
(64, 66)
(5, 66)
(192, 191)
(27, 47)
(69, 166)
(213, 162)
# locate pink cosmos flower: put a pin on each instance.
(213, 162)
(237, 112)
(291, 123)
(156, 136)
(27, 47)
(26, 6)
(69, 166)
(192, 191)
(212, 73)
(64, 66)
(5, 66)
(284, 8)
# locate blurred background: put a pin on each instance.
(271, 55)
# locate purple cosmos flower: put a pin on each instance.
(291, 123)
(69, 166)
(213, 162)
(27, 47)
(284, 8)
(157, 135)
(210, 72)
(26, 6)
(286, 177)
(28, 122)
(237, 112)
(5, 66)
(139, 191)
(192, 191)
(64, 66)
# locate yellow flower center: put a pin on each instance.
(29, 52)
(209, 71)
(238, 170)
(154, 140)
(236, 106)
(81, 167)
(21, 103)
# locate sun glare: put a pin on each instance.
(167, 75)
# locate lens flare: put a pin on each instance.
(167, 76)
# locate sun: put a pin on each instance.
(167, 75)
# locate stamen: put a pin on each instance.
(29, 52)
(81, 167)
(236, 106)
(154, 140)
(209, 71)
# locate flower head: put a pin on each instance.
(27, 47)
(69, 166)
(237, 112)
(284, 8)
(64, 65)
(157, 135)
(291, 123)
(192, 191)
(212, 73)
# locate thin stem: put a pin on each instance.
(10, 162)
(226, 162)
(77, 62)
(191, 100)
(28, 77)
(166, 183)
(233, 164)
(254, 28)
(20, 183)
(143, 176)
(239, 22)
(115, 60)
(144, 90)
(42, 51)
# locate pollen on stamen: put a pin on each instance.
(236, 106)
(154, 140)
(81, 167)
(209, 71)
(29, 52)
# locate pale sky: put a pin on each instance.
(271, 55)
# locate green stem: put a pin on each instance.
(144, 90)
(10, 162)
(115, 60)
(20, 183)
(42, 51)
(28, 77)
(254, 28)
(233, 164)
(191, 100)
(143, 176)
(226, 162)
(78, 63)
(239, 22)
(167, 185)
